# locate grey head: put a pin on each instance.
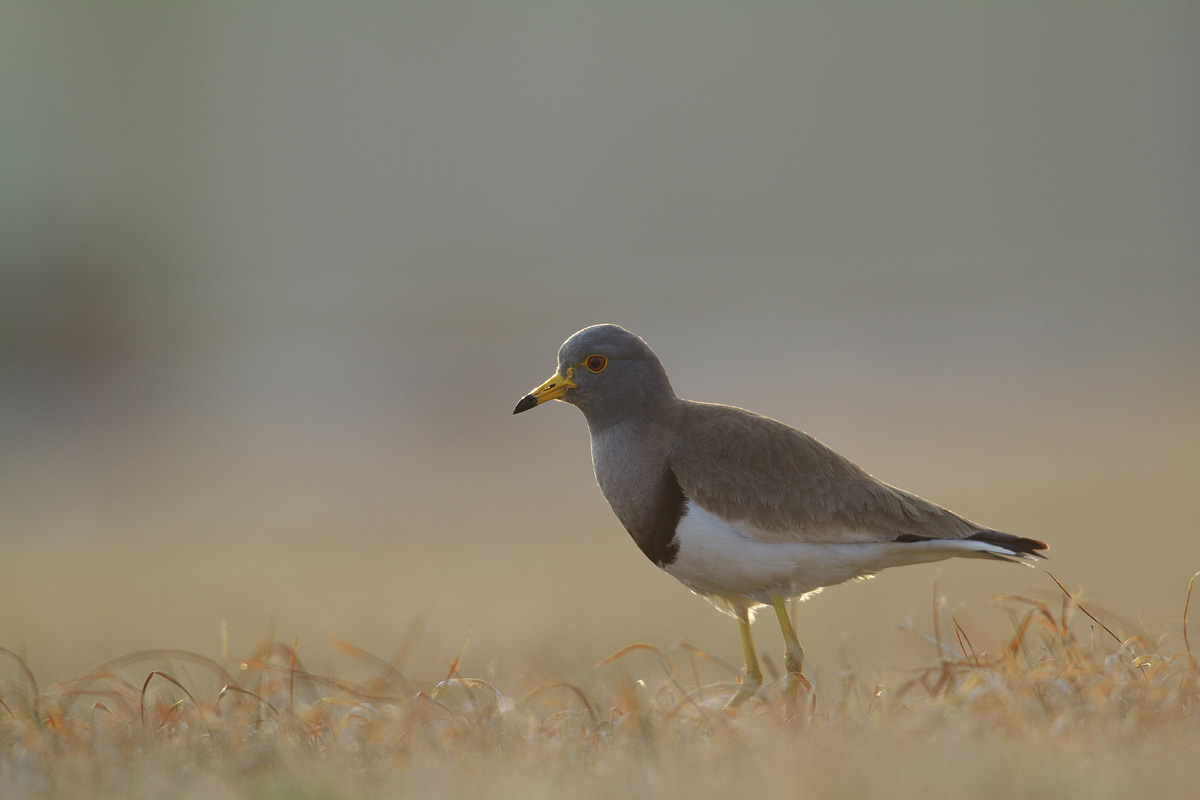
(609, 374)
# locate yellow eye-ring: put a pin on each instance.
(596, 363)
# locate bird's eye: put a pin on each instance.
(596, 363)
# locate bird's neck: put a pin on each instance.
(631, 460)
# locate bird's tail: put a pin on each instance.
(990, 544)
(1018, 546)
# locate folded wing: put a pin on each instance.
(788, 487)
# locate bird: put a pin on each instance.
(742, 509)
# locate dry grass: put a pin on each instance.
(1064, 708)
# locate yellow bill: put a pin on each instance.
(552, 389)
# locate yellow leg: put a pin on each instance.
(793, 657)
(752, 674)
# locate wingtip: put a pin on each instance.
(1017, 545)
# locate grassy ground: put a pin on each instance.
(1063, 707)
(131, 535)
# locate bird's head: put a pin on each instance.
(608, 373)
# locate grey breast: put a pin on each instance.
(630, 461)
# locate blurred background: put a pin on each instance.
(273, 275)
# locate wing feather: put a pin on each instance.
(790, 487)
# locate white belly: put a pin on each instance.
(727, 561)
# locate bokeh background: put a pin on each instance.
(273, 275)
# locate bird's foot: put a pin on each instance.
(748, 686)
(793, 658)
(792, 683)
(793, 680)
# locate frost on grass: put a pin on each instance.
(1064, 707)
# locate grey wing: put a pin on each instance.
(791, 487)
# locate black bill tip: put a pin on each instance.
(527, 402)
